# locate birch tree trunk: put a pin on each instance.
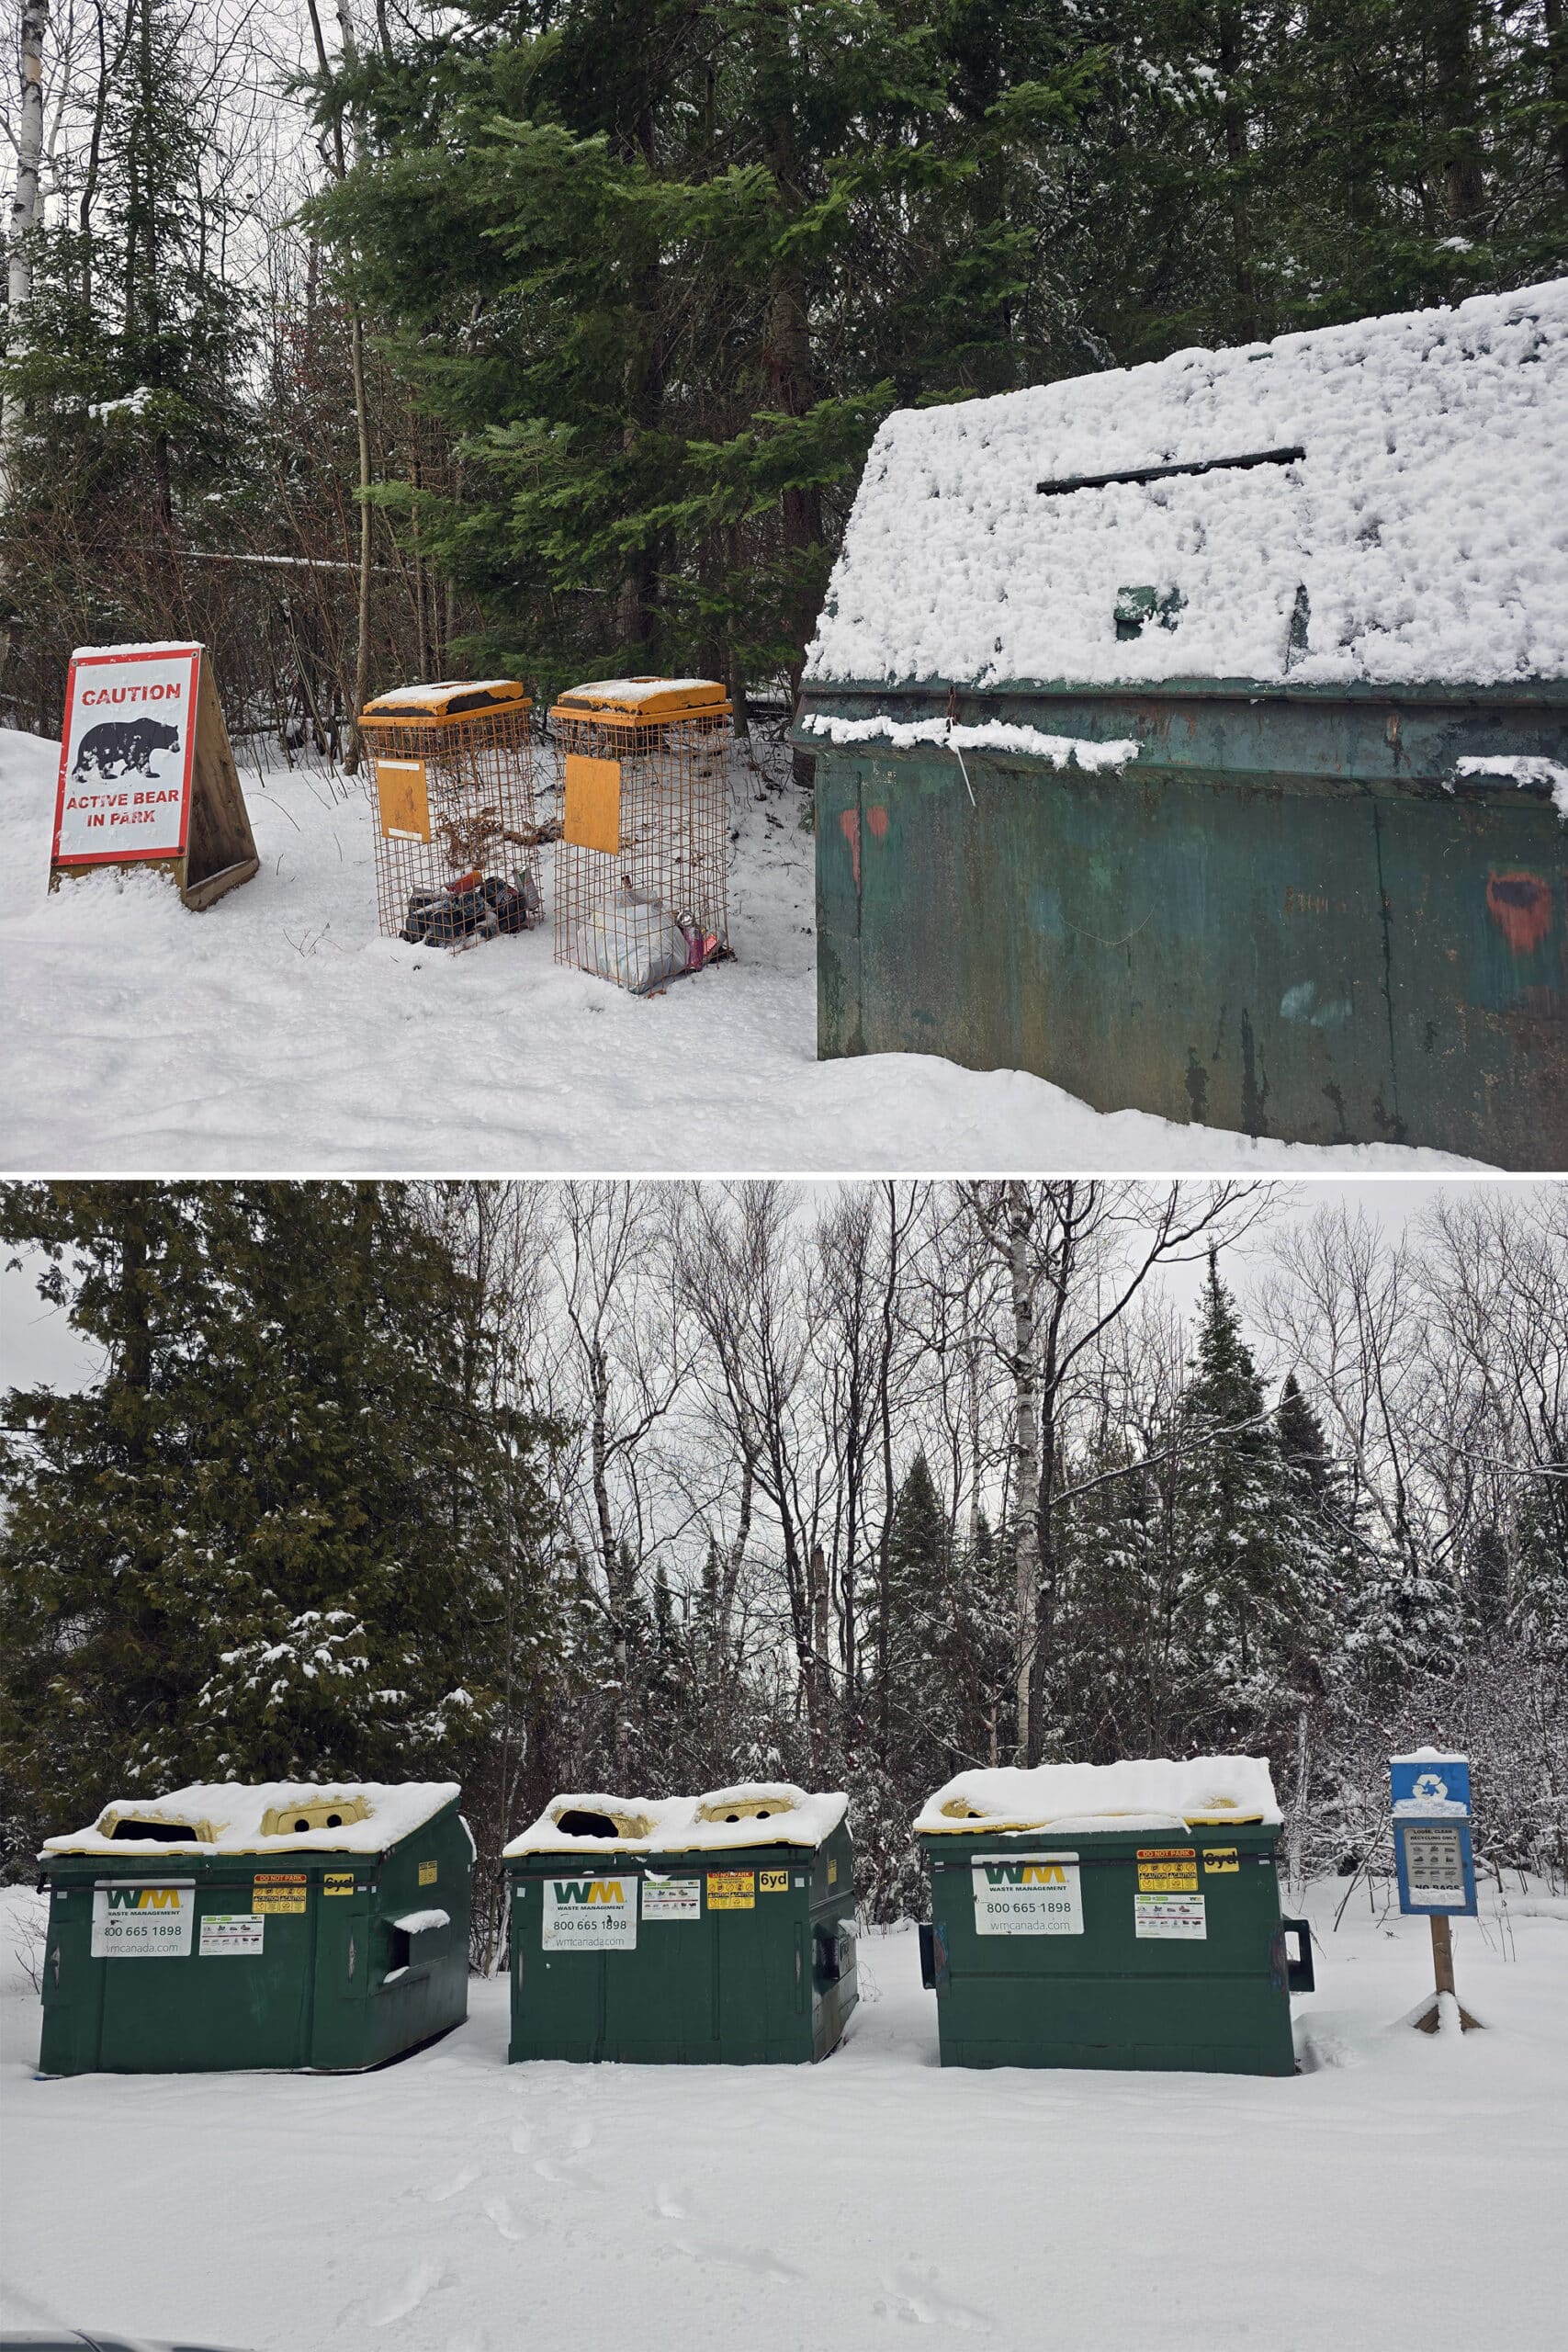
(1026, 1444)
(24, 219)
(361, 416)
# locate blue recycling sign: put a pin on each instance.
(1432, 1851)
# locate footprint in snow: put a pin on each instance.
(460, 2180)
(758, 2261)
(522, 2139)
(497, 2210)
(669, 2208)
(920, 2302)
(400, 2301)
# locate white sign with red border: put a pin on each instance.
(125, 764)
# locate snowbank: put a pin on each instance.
(228, 1817)
(452, 2202)
(755, 1813)
(1384, 502)
(1145, 1793)
(280, 1031)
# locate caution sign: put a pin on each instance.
(147, 776)
(1168, 1870)
(427, 1873)
(833, 1872)
(1037, 1895)
(1217, 1858)
(772, 1882)
(275, 1891)
(338, 1882)
(732, 1889)
(589, 1915)
(135, 1921)
(234, 1931)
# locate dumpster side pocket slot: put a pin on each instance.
(1300, 1977)
(934, 1954)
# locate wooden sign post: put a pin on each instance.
(146, 774)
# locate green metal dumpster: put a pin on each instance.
(279, 1925)
(1195, 736)
(713, 1930)
(1123, 1914)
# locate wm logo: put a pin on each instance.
(591, 1890)
(145, 1898)
(1025, 1874)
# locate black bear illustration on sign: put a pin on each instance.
(119, 745)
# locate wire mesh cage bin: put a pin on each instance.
(459, 840)
(642, 865)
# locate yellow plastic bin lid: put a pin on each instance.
(447, 698)
(632, 700)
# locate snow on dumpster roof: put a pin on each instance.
(229, 1818)
(754, 1813)
(1141, 1793)
(1384, 502)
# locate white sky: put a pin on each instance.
(37, 1346)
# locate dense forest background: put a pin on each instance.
(364, 339)
(651, 1487)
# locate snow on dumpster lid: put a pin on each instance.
(1142, 1793)
(1384, 502)
(755, 1813)
(639, 698)
(447, 698)
(236, 1817)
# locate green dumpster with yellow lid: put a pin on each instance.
(275, 1924)
(712, 1930)
(1123, 1914)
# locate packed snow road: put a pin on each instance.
(1401, 2193)
(278, 1032)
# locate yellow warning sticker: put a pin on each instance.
(338, 1882)
(732, 1889)
(427, 1873)
(1168, 1870)
(773, 1882)
(1221, 1857)
(833, 1874)
(274, 1890)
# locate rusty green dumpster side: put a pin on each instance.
(1288, 915)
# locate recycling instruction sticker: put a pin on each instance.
(671, 1898)
(232, 1931)
(1171, 1917)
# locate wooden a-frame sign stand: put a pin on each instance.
(147, 776)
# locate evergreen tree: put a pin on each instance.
(269, 1541)
(1243, 1608)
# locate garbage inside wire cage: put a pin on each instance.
(458, 848)
(641, 867)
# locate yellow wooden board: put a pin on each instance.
(593, 803)
(402, 794)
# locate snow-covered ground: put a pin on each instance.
(1401, 2193)
(278, 1032)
